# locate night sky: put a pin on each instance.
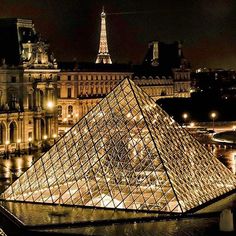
(207, 27)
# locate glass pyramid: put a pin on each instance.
(126, 153)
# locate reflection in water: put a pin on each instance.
(226, 156)
(226, 153)
(12, 168)
(37, 214)
(188, 227)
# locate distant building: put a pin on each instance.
(28, 73)
(164, 72)
(220, 82)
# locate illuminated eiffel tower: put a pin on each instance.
(103, 53)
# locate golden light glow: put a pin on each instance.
(29, 139)
(192, 124)
(7, 142)
(54, 136)
(185, 116)
(213, 115)
(18, 140)
(50, 104)
(45, 137)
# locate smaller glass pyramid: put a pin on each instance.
(126, 153)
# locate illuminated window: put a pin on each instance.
(70, 110)
(59, 110)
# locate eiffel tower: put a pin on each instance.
(103, 53)
(126, 153)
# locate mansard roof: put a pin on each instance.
(93, 67)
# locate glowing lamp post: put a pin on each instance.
(213, 116)
(185, 117)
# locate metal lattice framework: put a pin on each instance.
(103, 53)
(125, 153)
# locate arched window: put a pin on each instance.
(70, 110)
(13, 132)
(59, 110)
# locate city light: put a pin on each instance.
(50, 104)
(45, 137)
(213, 117)
(185, 116)
(192, 124)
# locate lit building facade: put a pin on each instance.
(81, 86)
(28, 74)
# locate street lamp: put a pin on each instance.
(185, 117)
(213, 116)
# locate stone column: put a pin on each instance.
(49, 127)
(37, 129)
